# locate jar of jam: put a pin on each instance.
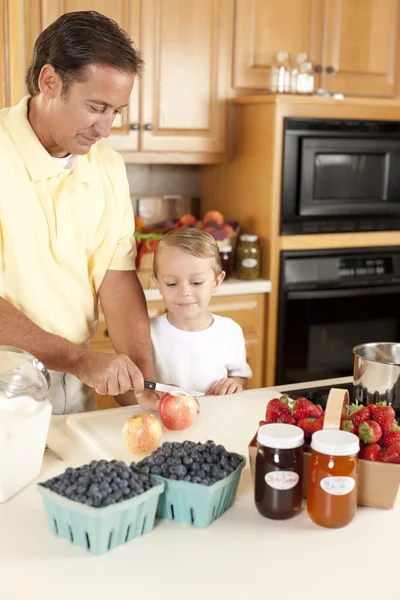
(279, 470)
(226, 254)
(332, 477)
(248, 264)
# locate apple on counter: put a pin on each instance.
(142, 433)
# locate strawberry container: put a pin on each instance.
(100, 529)
(197, 504)
(378, 482)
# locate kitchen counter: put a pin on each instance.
(240, 556)
(231, 287)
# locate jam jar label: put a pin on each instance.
(249, 263)
(282, 480)
(337, 486)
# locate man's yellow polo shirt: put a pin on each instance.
(60, 229)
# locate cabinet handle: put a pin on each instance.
(330, 69)
(134, 127)
(106, 334)
(148, 127)
(318, 69)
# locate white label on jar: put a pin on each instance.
(282, 480)
(249, 263)
(338, 486)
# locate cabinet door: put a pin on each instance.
(3, 65)
(186, 48)
(263, 27)
(362, 47)
(38, 14)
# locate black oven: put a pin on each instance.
(340, 175)
(330, 301)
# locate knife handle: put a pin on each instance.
(149, 385)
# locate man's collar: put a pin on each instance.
(40, 165)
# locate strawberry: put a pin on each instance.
(310, 425)
(261, 423)
(276, 408)
(369, 432)
(371, 452)
(393, 435)
(392, 454)
(371, 407)
(287, 418)
(305, 409)
(385, 416)
(348, 425)
(358, 413)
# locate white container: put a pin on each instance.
(25, 412)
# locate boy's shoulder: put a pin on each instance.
(227, 324)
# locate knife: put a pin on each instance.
(172, 389)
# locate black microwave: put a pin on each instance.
(340, 175)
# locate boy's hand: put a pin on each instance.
(228, 385)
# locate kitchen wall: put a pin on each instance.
(156, 180)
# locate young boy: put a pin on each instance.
(192, 347)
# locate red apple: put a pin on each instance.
(178, 411)
(142, 433)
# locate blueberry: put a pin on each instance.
(195, 466)
(200, 473)
(188, 460)
(156, 470)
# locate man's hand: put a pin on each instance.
(112, 374)
(228, 385)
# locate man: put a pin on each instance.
(66, 220)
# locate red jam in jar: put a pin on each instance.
(279, 470)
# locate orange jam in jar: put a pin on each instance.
(332, 478)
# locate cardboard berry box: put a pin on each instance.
(378, 482)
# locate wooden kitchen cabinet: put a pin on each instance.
(247, 310)
(362, 51)
(177, 105)
(263, 27)
(354, 44)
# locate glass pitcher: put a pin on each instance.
(25, 412)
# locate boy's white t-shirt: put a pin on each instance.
(197, 360)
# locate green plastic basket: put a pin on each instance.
(101, 529)
(197, 504)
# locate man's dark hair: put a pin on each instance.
(76, 40)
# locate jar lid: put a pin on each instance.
(247, 237)
(335, 442)
(225, 248)
(280, 436)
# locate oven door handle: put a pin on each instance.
(344, 293)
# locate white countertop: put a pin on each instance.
(239, 556)
(231, 287)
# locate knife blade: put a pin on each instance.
(171, 389)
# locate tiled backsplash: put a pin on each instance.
(157, 180)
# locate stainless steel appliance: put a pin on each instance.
(377, 373)
(331, 301)
(340, 175)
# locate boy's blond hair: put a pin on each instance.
(195, 241)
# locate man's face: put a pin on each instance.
(86, 112)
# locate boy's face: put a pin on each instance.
(186, 282)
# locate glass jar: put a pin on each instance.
(332, 477)
(294, 72)
(25, 411)
(278, 491)
(226, 255)
(248, 264)
(279, 74)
